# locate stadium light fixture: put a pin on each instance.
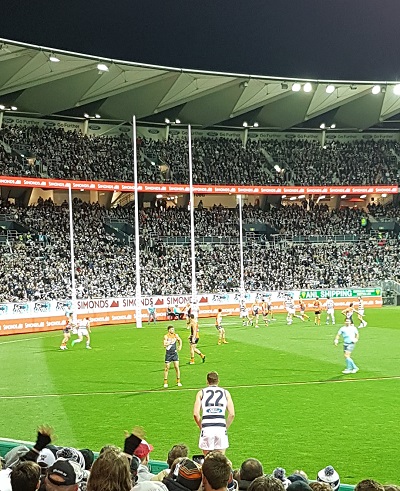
(363, 196)
(53, 58)
(169, 121)
(384, 195)
(302, 196)
(307, 87)
(8, 108)
(322, 126)
(330, 88)
(292, 198)
(343, 196)
(158, 196)
(376, 89)
(102, 67)
(245, 125)
(296, 87)
(88, 116)
(277, 168)
(283, 196)
(333, 126)
(396, 89)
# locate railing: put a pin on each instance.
(315, 239)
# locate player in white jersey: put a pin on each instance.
(83, 330)
(245, 315)
(360, 313)
(209, 410)
(290, 309)
(330, 310)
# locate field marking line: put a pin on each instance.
(192, 389)
(28, 338)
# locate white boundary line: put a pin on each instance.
(28, 338)
(191, 389)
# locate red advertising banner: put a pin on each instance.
(32, 182)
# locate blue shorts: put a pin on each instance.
(348, 347)
(170, 357)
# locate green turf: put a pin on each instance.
(294, 408)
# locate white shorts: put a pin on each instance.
(291, 311)
(213, 438)
(330, 311)
(361, 312)
(82, 331)
(243, 314)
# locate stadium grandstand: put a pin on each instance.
(248, 188)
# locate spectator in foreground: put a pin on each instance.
(143, 452)
(329, 476)
(369, 485)
(249, 470)
(63, 474)
(25, 476)
(266, 483)
(111, 472)
(216, 471)
(176, 451)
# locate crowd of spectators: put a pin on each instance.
(105, 267)
(45, 467)
(72, 155)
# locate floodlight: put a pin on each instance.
(307, 87)
(376, 89)
(245, 124)
(97, 116)
(54, 58)
(255, 125)
(330, 88)
(322, 126)
(296, 87)
(102, 67)
(396, 89)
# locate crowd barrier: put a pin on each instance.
(40, 316)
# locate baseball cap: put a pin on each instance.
(143, 449)
(189, 474)
(46, 458)
(69, 471)
(13, 456)
(329, 476)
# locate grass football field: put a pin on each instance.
(294, 407)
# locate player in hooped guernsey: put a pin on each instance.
(210, 407)
(330, 310)
(83, 330)
(360, 312)
(290, 309)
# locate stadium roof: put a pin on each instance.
(74, 85)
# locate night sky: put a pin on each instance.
(321, 39)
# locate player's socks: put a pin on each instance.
(203, 358)
(191, 362)
(219, 341)
(224, 341)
